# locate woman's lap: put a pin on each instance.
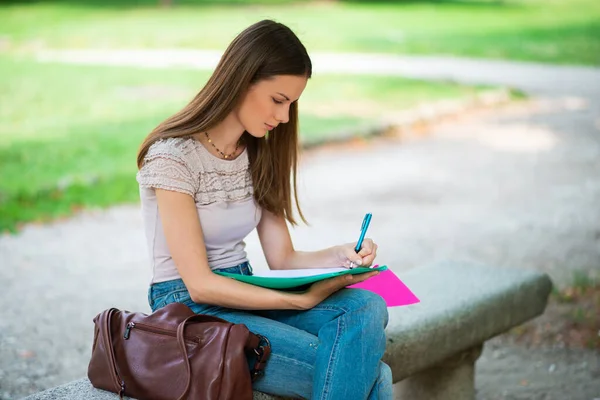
(289, 371)
(295, 342)
(341, 302)
(294, 334)
(350, 325)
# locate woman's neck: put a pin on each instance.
(226, 134)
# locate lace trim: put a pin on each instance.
(184, 165)
(165, 169)
(218, 186)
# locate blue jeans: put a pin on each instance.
(332, 351)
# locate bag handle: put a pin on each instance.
(183, 348)
(262, 352)
(105, 325)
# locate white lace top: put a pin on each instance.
(222, 191)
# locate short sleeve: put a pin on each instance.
(165, 167)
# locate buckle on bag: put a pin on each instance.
(259, 351)
(263, 338)
(257, 370)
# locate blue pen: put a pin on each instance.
(363, 232)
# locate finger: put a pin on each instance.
(367, 247)
(368, 260)
(343, 281)
(363, 277)
(364, 252)
(351, 256)
(332, 285)
(349, 279)
(374, 252)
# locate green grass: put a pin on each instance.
(69, 134)
(555, 31)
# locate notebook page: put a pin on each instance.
(295, 273)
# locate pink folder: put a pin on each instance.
(390, 287)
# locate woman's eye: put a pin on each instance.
(277, 101)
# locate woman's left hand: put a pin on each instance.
(364, 258)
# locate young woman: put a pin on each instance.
(226, 164)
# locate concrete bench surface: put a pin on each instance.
(83, 390)
(433, 345)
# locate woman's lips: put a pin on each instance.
(269, 127)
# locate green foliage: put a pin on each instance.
(555, 31)
(70, 133)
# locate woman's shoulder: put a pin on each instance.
(191, 153)
(168, 164)
(178, 147)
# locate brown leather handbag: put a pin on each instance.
(174, 353)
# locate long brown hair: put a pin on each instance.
(263, 50)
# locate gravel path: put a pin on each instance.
(516, 188)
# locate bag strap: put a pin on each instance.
(262, 354)
(183, 348)
(262, 351)
(105, 320)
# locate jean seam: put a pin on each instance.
(329, 308)
(158, 289)
(332, 358)
(293, 360)
(179, 296)
(242, 269)
(174, 292)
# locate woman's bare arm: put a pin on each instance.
(185, 240)
(280, 253)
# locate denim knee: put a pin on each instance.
(372, 305)
(384, 387)
(385, 374)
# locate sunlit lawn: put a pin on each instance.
(69, 134)
(556, 31)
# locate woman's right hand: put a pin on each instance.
(321, 290)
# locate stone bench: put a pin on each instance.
(432, 346)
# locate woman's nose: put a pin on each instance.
(283, 115)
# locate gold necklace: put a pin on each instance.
(225, 156)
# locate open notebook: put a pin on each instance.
(386, 284)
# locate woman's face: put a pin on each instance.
(267, 103)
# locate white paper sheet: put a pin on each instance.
(295, 273)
